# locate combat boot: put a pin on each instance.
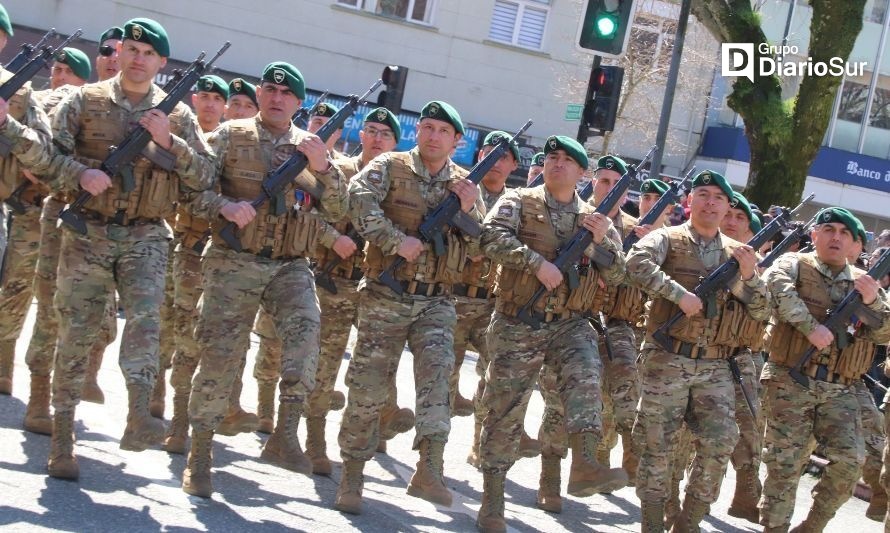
(338, 401)
(474, 457)
(604, 455)
(196, 476)
(529, 447)
(158, 395)
(653, 516)
(691, 515)
(629, 458)
(587, 477)
(776, 529)
(316, 447)
(178, 434)
(7, 362)
(349, 492)
(491, 513)
(62, 463)
(283, 447)
(237, 420)
(548, 486)
(428, 482)
(395, 421)
(877, 506)
(747, 494)
(143, 430)
(815, 522)
(672, 506)
(37, 417)
(91, 391)
(461, 406)
(265, 409)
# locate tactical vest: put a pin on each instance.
(685, 267)
(624, 302)
(351, 267)
(10, 171)
(787, 344)
(103, 125)
(406, 206)
(190, 228)
(514, 287)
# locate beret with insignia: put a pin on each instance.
(709, 177)
(241, 86)
(148, 31)
(492, 139)
(443, 111)
(611, 162)
(845, 217)
(738, 201)
(77, 60)
(382, 115)
(283, 73)
(571, 147)
(324, 110)
(538, 159)
(654, 186)
(212, 83)
(5, 23)
(114, 33)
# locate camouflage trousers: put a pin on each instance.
(42, 346)
(552, 432)
(621, 382)
(518, 352)
(872, 432)
(677, 389)
(187, 285)
(17, 274)
(131, 258)
(235, 286)
(827, 412)
(885, 455)
(385, 322)
(473, 317)
(168, 312)
(267, 365)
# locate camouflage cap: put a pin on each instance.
(492, 139)
(77, 60)
(148, 31)
(5, 23)
(611, 162)
(211, 83)
(709, 177)
(324, 110)
(382, 115)
(282, 73)
(242, 86)
(738, 201)
(842, 216)
(443, 111)
(538, 159)
(571, 147)
(654, 186)
(113, 32)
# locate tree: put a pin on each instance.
(784, 136)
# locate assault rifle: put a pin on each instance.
(672, 196)
(24, 54)
(708, 288)
(786, 244)
(843, 314)
(539, 179)
(24, 74)
(289, 171)
(875, 384)
(599, 324)
(569, 255)
(448, 213)
(119, 161)
(301, 117)
(323, 277)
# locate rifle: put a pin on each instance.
(24, 54)
(120, 158)
(570, 253)
(787, 243)
(875, 384)
(15, 199)
(24, 75)
(323, 278)
(839, 317)
(539, 179)
(672, 196)
(600, 326)
(356, 151)
(301, 117)
(718, 280)
(449, 213)
(737, 376)
(289, 171)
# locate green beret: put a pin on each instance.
(77, 60)
(571, 147)
(709, 177)
(860, 228)
(111, 33)
(654, 186)
(382, 115)
(148, 31)
(212, 83)
(611, 162)
(841, 215)
(443, 111)
(285, 74)
(492, 139)
(538, 159)
(738, 201)
(241, 86)
(324, 110)
(5, 23)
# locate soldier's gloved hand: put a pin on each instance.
(549, 275)
(747, 261)
(4, 112)
(158, 125)
(642, 231)
(821, 337)
(344, 246)
(241, 213)
(94, 181)
(467, 191)
(598, 224)
(410, 248)
(315, 151)
(868, 288)
(690, 304)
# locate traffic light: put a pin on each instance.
(601, 109)
(394, 88)
(605, 26)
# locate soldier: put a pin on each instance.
(319, 117)
(388, 199)
(107, 65)
(126, 241)
(242, 100)
(272, 271)
(209, 101)
(691, 380)
(804, 287)
(536, 167)
(71, 67)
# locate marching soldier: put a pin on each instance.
(536, 167)
(242, 100)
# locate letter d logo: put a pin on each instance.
(737, 59)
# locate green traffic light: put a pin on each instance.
(606, 24)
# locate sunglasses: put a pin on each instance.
(106, 50)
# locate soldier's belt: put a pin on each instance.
(610, 322)
(118, 219)
(425, 289)
(462, 289)
(355, 275)
(32, 196)
(821, 373)
(694, 351)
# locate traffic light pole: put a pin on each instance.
(667, 104)
(583, 130)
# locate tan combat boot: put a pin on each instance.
(529, 447)
(491, 513)
(672, 506)
(237, 420)
(428, 481)
(776, 529)
(877, 506)
(265, 409)
(587, 477)
(338, 401)
(349, 493)
(37, 417)
(143, 430)
(7, 362)
(474, 457)
(62, 463)
(158, 395)
(691, 515)
(815, 522)
(395, 421)
(604, 455)
(747, 494)
(461, 406)
(196, 476)
(178, 433)
(548, 487)
(653, 517)
(283, 447)
(630, 461)
(316, 447)
(91, 391)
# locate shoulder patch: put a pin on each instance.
(505, 211)
(375, 177)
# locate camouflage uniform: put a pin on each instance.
(873, 436)
(830, 409)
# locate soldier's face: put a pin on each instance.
(209, 106)
(107, 66)
(61, 74)
(277, 103)
(240, 106)
(436, 139)
(561, 170)
(604, 180)
(854, 251)
(533, 172)
(832, 241)
(139, 62)
(648, 200)
(377, 139)
(503, 167)
(734, 223)
(708, 205)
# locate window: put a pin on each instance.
(419, 11)
(519, 22)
